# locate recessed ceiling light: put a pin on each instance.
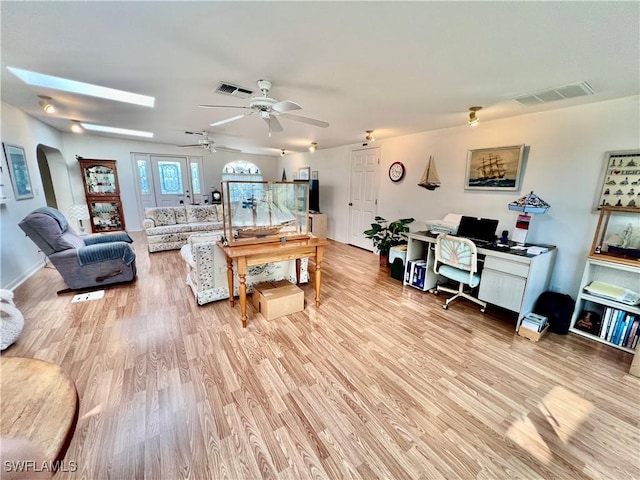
(57, 83)
(119, 131)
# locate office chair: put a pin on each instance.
(457, 259)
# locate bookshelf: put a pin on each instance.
(614, 259)
(616, 319)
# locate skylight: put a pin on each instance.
(119, 131)
(57, 83)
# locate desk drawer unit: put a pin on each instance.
(503, 283)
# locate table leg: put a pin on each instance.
(242, 274)
(298, 261)
(319, 253)
(230, 280)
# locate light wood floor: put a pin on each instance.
(379, 382)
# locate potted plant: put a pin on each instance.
(386, 234)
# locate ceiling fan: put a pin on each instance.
(269, 110)
(208, 144)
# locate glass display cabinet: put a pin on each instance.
(617, 236)
(102, 191)
(261, 212)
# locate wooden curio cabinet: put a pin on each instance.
(101, 188)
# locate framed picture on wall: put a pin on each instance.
(18, 171)
(619, 183)
(498, 168)
(314, 175)
(304, 172)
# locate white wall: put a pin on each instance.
(566, 156)
(19, 256)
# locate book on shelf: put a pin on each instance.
(633, 331)
(620, 327)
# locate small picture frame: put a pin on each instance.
(619, 180)
(314, 175)
(304, 173)
(18, 171)
(498, 168)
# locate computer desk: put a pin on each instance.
(509, 279)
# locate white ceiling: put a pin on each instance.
(394, 67)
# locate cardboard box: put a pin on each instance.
(532, 334)
(275, 299)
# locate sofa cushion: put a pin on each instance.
(181, 214)
(201, 213)
(161, 215)
(207, 227)
(168, 229)
(204, 237)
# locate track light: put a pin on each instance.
(76, 127)
(45, 103)
(313, 147)
(282, 152)
(370, 137)
(473, 119)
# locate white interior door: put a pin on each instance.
(363, 194)
(170, 180)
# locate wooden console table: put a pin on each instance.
(258, 254)
(39, 404)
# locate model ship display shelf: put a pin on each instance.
(607, 306)
(102, 191)
(261, 212)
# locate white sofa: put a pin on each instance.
(169, 228)
(207, 270)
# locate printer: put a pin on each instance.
(448, 225)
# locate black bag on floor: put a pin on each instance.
(558, 308)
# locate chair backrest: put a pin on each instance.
(49, 230)
(457, 252)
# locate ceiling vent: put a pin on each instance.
(559, 93)
(234, 90)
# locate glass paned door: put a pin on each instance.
(171, 180)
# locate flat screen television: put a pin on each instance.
(314, 195)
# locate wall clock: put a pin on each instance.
(396, 171)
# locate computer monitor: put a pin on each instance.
(482, 229)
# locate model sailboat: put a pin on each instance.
(430, 179)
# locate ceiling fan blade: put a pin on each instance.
(274, 124)
(231, 119)
(227, 149)
(223, 106)
(310, 121)
(285, 106)
(192, 145)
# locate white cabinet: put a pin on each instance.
(613, 315)
(515, 282)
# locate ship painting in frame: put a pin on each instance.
(498, 168)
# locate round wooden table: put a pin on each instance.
(39, 403)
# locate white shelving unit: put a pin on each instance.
(620, 274)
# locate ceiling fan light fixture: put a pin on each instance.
(370, 137)
(473, 118)
(45, 103)
(313, 147)
(76, 127)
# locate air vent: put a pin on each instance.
(233, 90)
(553, 94)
